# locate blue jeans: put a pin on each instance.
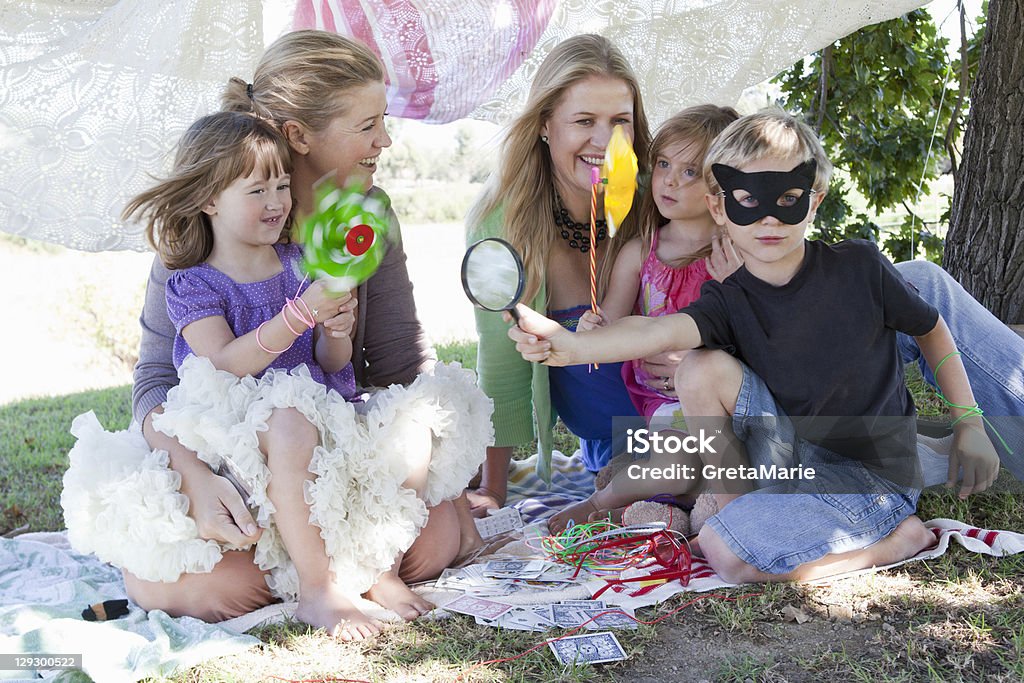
(992, 353)
(781, 526)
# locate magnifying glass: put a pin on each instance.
(492, 275)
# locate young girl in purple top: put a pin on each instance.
(267, 394)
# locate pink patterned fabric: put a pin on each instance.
(663, 290)
(442, 62)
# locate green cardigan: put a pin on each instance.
(519, 389)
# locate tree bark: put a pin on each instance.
(985, 245)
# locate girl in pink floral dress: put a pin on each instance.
(679, 247)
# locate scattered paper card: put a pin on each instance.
(590, 648)
(594, 619)
(478, 607)
(514, 569)
(502, 521)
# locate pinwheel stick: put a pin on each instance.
(595, 181)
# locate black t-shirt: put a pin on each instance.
(825, 342)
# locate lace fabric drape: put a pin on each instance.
(93, 96)
(94, 93)
(477, 58)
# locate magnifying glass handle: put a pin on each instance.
(514, 313)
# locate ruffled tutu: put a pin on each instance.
(121, 500)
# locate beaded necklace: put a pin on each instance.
(576, 234)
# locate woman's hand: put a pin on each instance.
(724, 260)
(322, 303)
(343, 324)
(218, 510)
(215, 505)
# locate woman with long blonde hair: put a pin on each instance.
(539, 200)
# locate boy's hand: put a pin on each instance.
(972, 451)
(539, 339)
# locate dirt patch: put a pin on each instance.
(689, 653)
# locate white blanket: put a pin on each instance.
(45, 585)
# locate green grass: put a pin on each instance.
(34, 443)
(957, 618)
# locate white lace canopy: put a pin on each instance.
(94, 93)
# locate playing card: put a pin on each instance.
(604, 618)
(500, 522)
(505, 566)
(514, 569)
(451, 578)
(522, 619)
(589, 648)
(477, 607)
(566, 616)
(542, 614)
(586, 604)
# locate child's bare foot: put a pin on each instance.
(390, 592)
(333, 612)
(910, 537)
(942, 446)
(704, 509)
(648, 511)
(613, 515)
(578, 512)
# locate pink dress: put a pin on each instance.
(663, 290)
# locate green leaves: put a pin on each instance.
(880, 115)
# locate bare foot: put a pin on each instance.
(910, 537)
(943, 446)
(330, 610)
(390, 592)
(613, 515)
(577, 512)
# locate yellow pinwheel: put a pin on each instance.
(619, 172)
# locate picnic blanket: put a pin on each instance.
(45, 585)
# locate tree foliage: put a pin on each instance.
(882, 100)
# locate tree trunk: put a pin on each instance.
(985, 245)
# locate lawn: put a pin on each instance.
(957, 618)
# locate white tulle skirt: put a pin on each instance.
(122, 502)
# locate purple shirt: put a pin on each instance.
(203, 291)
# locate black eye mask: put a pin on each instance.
(767, 187)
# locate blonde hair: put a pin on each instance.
(300, 76)
(697, 127)
(213, 153)
(524, 182)
(768, 133)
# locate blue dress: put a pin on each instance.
(587, 399)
